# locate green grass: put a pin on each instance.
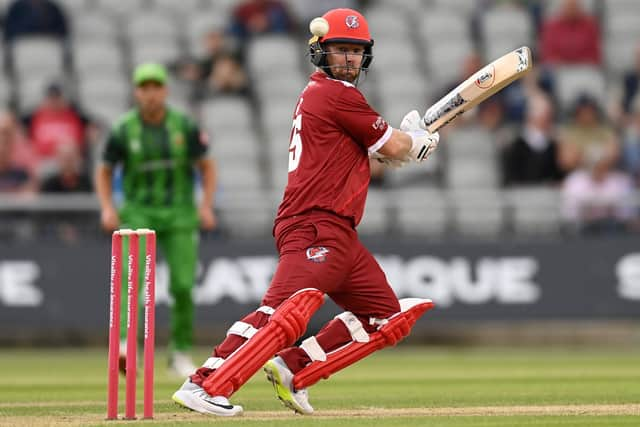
(407, 386)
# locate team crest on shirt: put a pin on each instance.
(317, 254)
(178, 139)
(379, 123)
(352, 21)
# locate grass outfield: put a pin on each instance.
(406, 386)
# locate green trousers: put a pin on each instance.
(177, 239)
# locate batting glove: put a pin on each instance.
(424, 143)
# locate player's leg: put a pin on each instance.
(332, 255)
(180, 248)
(209, 388)
(278, 323)
(374, 319)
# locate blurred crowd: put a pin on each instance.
(587, 146)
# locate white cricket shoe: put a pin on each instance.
(282, 379)
(181, 365)
(195, 398)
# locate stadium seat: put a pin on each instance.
(90, 24)
(5, 89)
(471, 159)
(278, 166)
(104, 97)
(470, 174)
(176, 7)
(155, 26)
(478, 213)
(535, 210)
(376, 213)
(421, 212)
(388, 23)
(268, 54)
(463, 8)
(408, 6)
(239, 176)
(99, 56)
(277, 118)
(470, 143)
(70, 7)
(621, 36)
(571, 81)
(395, 54)
(400, 92)
(285, 84)
(200, 23)
(552, 6)
(30, 90)
(122, 8)
(37, 53)
(234, 146)
(445, 60)
(227, 114)
(164, 52)
(245, 214)
(504, 29)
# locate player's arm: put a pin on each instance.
(104, 188)
(411, 142)
(203, 161)
(209, 174)
(113, 153)
(108, 213)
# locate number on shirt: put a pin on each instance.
(295, 147)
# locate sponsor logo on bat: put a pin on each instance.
(486, 78)
(437, 111)
(523, 60)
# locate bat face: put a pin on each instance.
(486, 82)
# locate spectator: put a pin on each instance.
(631, 83)
(13, 178)
(70, 176)
(220, 71)
(532, 157)
(216, 45)
(23, 153)
(55, 121)
(195, 70)
(228, 77)
(570, 37)
(34, 17)
(588, 129)
(255, 17)
(596, 198)
(631, 143)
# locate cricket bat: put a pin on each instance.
(488, 81)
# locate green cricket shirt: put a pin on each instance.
(157, 160)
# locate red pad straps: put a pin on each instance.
(398, 326)
(285, 326)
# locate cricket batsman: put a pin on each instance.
(160, 148)
(334, 133)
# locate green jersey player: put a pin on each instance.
(160, 150)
